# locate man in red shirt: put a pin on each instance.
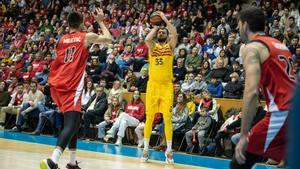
(66, 81)
(268, 65)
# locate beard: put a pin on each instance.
(161, 39)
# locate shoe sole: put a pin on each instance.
(44, 165)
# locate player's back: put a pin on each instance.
(277, 75)
(67, 70)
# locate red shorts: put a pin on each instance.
(269, 136)
(66, 100)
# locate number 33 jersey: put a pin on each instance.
(161, 63)
(67, 70)
(277, 75)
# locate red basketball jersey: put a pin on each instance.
(277, 75)
(67, 71)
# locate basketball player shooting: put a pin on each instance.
(268, 65)
(66, 82)
(159, 94)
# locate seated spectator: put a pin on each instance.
(50, 114)
(29, 107)
(190, 103)
(110, 117)
(103, 83)
(199, 129)
(133, 115)
(215, 88)
(219, 71)
(14, 105)
(4, 96)
(140, 54)
(117, 90)
(229, 127)
(233, 89)
(125, 60)
(141, 83)
(43, 76)
(200, 84)
(94, 110)
(223, 56)
(129, 80)
(177, 91)
(139, 130)
(179, 71)
(235, 67)
(205, 70)
(192, 61)
(88, 92)
(189, 84)
(179, 117)
(210, 104)
(181, 54)
(110, 70)
(93, 70)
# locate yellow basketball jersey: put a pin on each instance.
(161, 63)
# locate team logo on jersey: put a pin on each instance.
(280, 46)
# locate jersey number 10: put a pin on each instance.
(69, 55)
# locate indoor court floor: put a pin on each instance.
(24, 151)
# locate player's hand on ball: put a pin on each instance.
(162, 15)
(240, 150)
(98, 15)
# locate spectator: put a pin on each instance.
(193, 61)
(219, 72)
(94, 70)
(88, 92)
(110, 117)
(141, 83)
(179, 71)
(117, 91)
(189, 84)
(207, 103)
(110, 70)
(94, 110)
(129, 80)
(215, 87)
(200, 84)
(133, 115)
(199, 129)
(14, 105)
(233, 89)
(140, 54)
(29, 107)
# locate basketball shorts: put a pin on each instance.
(159, 98)
(269, 136)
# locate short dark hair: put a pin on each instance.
(75, 19)
(254, 17)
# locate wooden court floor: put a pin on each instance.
(25, 155)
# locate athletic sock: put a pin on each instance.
(56, 155)
(169, 146)
(146, 144)
(73, 157)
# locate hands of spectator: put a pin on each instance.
(99, 16)
(31, 103)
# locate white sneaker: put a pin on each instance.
(169, 157)
(145, 156)
(107, 137)
(119, 141)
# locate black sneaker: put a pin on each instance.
(72, 166)
(48, 164)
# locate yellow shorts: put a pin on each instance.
(159, 98)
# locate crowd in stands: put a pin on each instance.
(207, 64)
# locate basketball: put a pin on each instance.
(155, 19)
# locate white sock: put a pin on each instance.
(146, 144)
(140, 141)
(169, 146)
(56, 155)
(73, 157)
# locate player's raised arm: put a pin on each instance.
(93, 38)
(171, 28)
(150, 36)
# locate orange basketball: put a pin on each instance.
(155, 19)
